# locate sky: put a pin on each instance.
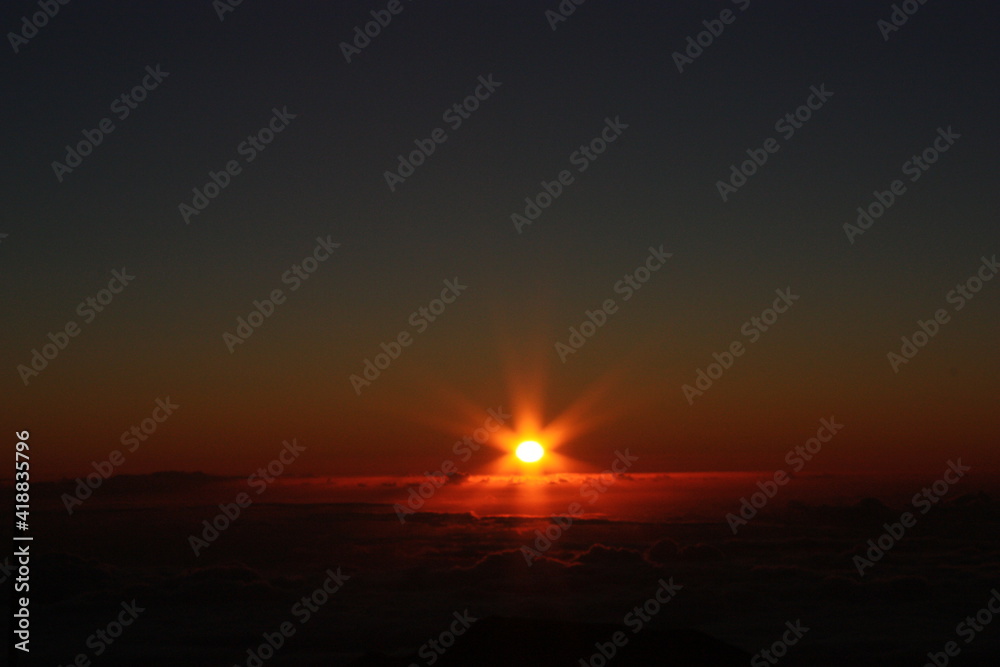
(285, 285)
(384, 248)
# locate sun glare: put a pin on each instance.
(529, 451)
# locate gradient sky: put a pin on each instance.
(323, 176)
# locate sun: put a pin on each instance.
(529, 451)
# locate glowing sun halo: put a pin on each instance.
(529, 451)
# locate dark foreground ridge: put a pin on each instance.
(522, 642)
